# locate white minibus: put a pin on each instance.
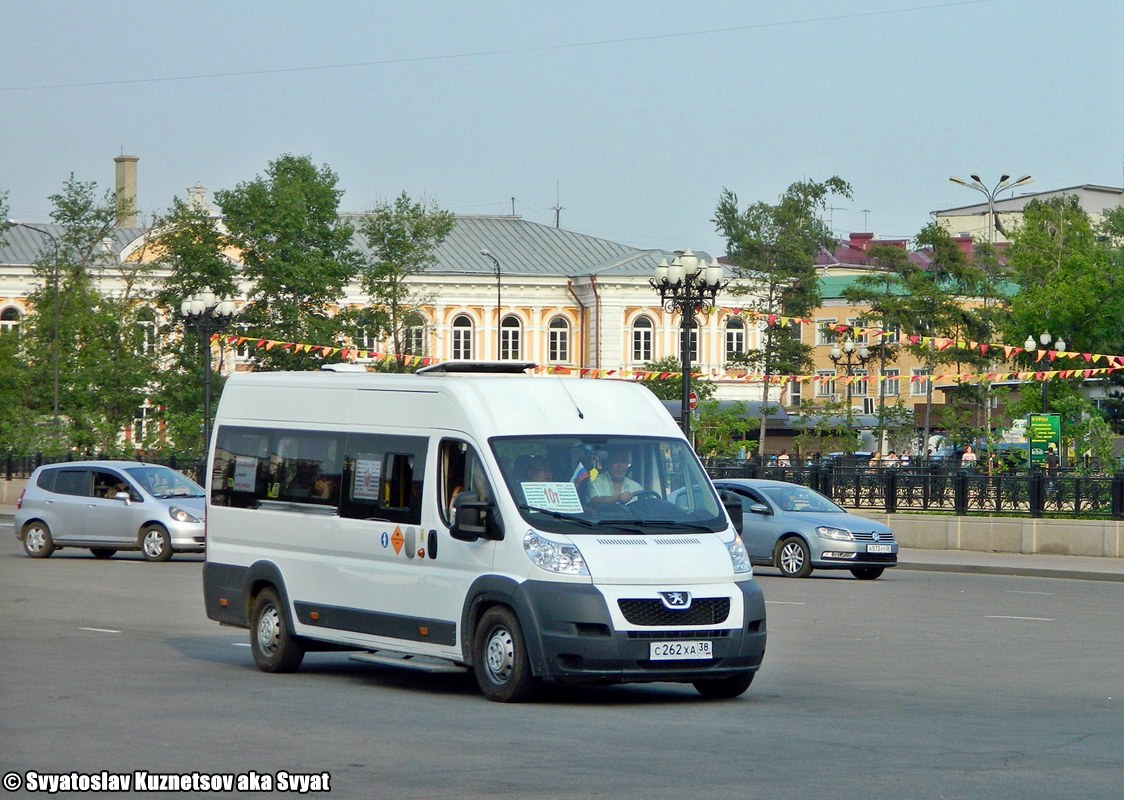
(522, 527)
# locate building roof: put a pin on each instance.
(1095, 199)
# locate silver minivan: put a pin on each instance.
(108, 506)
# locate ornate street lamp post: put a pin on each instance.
(851, 359)
(206, 315)
(991, 194)
(686, 286)
(55, 334)
(1030, 346)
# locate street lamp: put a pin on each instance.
(687, 285)
(1030, 346)
(991, 194)
(55, 333)
(496, 263)
(206, 315)
(845, 351)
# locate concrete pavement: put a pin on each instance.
(969, 561)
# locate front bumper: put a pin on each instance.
(572, 635)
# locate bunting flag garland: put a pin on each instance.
(1114, 364)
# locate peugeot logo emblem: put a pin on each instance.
(676, 601)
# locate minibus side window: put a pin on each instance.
(461, 470)
(383, 478)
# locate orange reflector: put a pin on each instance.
(314, 615)
(223, 602)
(421, 552)
(423, 631)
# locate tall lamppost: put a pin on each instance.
(686, 286)
(496, 263)
(991, 194)
(206, 315)
(846, 355)
(1030, 346)
(55, 332)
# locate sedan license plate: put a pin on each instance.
(878, 548)
(681, 651)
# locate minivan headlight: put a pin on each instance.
(738, 556)
(182, 515)
(839, 534)
(565, 559)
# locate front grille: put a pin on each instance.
(869, 536)
(665, 635)
(653, 613)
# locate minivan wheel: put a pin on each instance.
(273, 648)
(725, 688)
(156, 544)
(102, 552)
(37, 541)
(500, 660)
(867, 573)
(793, 558)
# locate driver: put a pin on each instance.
(612, 484)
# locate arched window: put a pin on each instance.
(10, 319)
(558, 344)
(735, 337)
(413, 340)
(462, 337)
(642, 340)
(510, 338)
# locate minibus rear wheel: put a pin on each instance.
(273, 648)
(500, 660)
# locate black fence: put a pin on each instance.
(20, 467)
(961, 492)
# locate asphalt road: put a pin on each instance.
(917, 685)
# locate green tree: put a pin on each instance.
(671, 386)
(723, 429)
(402, 237)
(1071, 283)
(296, 254)
(773, 248)
(101, 373)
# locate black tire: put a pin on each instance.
(274, 649)
(868, 573)
(155, 543)
(725, 688)
(792, 558)
(37, 541)
(102, 552)
(499, 656)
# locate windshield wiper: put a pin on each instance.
(557, 515)
(670, 523)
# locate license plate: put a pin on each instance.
(681, 651)
(878, 548)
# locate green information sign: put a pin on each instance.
(1043, 430)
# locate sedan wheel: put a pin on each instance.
(37, 541)
(793, 558)
(156, 544)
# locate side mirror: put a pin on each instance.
(760, 508)
(475, 519)
(731, 501)
(124, 497)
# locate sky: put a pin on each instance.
(629, 118)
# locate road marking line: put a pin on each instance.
(1019, 591)
(99, 630)
(239, 644)
(1033, 619)
(783, 603)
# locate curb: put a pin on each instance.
(1022, 572)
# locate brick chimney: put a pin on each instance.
(127, 191)
(861, 241)
(965, 243)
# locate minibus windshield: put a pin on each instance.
(594, 484)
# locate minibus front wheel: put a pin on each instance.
(273, 648)
(500, 659)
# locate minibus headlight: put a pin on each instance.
(182, 515)
(839, 534)
(738, 556)
(565, 559)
